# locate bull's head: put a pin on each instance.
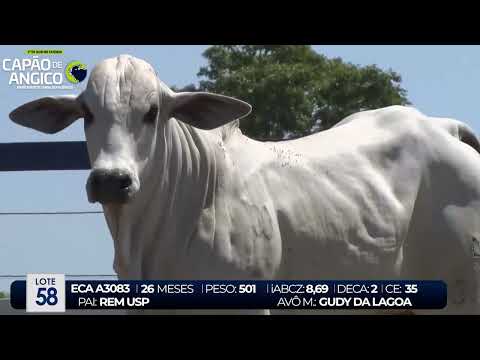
(125, 107)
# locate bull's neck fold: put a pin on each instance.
(152, 232)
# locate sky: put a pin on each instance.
(440, 81)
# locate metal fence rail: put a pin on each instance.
(35, 156)
(44, 156)
(51, 213)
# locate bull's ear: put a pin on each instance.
(206, 110)
(48, 114)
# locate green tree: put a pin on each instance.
(294, 90)
(3, 294)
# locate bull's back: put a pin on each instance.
(341, 201)
(344, 196)
(389, 193)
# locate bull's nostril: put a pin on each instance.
(125, 181)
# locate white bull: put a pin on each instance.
(385, 194)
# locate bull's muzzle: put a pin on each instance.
(109, 186)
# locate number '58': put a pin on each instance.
(50, 298)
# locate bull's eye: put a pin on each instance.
(151, 115)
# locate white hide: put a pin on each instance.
(385, 194)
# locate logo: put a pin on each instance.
(43, 69)
(76, 72)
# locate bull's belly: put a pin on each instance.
(296, 259)
(354, 242)
(291, 251)
(338, 260)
